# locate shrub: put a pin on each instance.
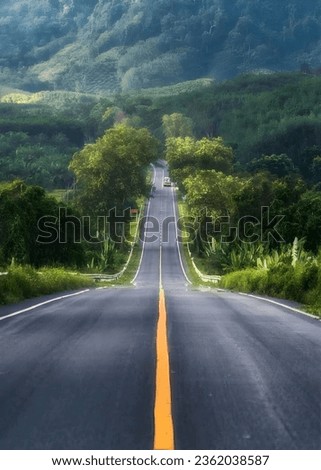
(248, 280)
(25, 282)
(301, 283)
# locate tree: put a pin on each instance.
(279, 165)
(187, 155)
(316, 169)
(177, 125)
(306, 216)
(212, 192)
(112, 171)
(23, 211)
(210, 196)
(256, 192)
(212, 154)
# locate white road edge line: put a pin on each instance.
(279, 304)
(176, 232)
(56, 299)
(144, 242)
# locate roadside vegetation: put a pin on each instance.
(24, 282)
(289, 273)
(254, 216)
(243, 153)
(92, 230)
(301, 283)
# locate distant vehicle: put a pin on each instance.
(167, 181)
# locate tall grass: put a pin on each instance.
(23, 282)
(300, 282)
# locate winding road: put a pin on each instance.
(159, 364)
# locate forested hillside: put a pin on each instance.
(257, 115)
(118, 45)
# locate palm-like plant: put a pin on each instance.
(105, 259)
(257, 255)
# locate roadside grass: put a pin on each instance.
(25, 282)
(132, 263)
(132, 267)
(129, 274)
(300, 283)
(191, 272)
(122, 259)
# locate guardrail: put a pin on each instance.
(103, 277)
(98, 277)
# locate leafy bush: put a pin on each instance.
(25, 282)
(313, 295)
(248, 280)
(301, 283)
(22, 208)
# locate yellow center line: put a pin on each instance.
(164, 432)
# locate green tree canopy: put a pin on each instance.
(211, 192)
(22, 208)
(280, 165)
(187, 155)
(112, 171)
(306, 216)
(177, 125)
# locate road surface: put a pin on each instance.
(85, 372)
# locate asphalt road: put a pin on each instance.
(79, 373)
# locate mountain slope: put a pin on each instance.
(113, 45)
